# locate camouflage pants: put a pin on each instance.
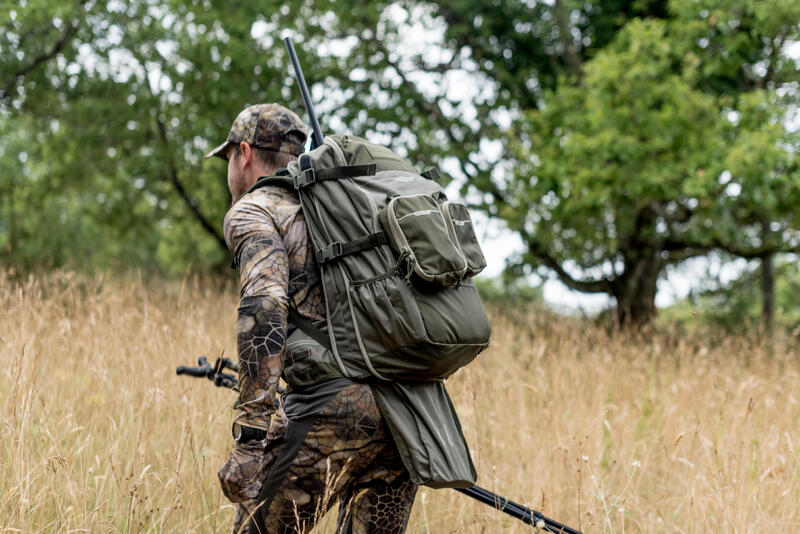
(349, 457)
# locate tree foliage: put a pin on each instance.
(664, 148)
(108, 106)
(614, 137)
(103, 129)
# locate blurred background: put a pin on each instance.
(635, 160)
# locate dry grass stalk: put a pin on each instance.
(609, 433)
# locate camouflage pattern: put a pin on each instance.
(348, 455)
(269, 126)
(266, 232)
(349, 458)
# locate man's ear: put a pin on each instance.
(245, 154)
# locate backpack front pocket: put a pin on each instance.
(417, 231)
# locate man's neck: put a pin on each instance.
(256, 173)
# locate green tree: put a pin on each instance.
(740, 49)
(106, 109)
(656, 154)
(731, 306)
(603, 168)
(130, 94)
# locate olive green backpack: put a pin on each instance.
(396, 259)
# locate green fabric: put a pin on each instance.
(416, 335)
(418, 232)
(358, 151)
(386, 325)
(462, 233)
(306, 362)
(333, 173)
(427, 433)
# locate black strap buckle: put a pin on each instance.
(331, 252)
(305, 178)
(431, 174)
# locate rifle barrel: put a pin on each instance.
(301, 81)
(526, 515)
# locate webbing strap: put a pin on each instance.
(293, 439)
(308, 328)
(338, 249)
(302, 409)
(311, 176)
(280, 178)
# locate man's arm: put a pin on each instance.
(254, 238)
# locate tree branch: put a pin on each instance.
(172, 171)
(777, 45)
(677, 256)
(478, 51)
(188, 199)
(603, 285)
(562, 16)
(431, 108)
(715, 243)
(58, 46)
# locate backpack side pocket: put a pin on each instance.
(462, 232)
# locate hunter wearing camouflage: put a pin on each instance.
(321, 444)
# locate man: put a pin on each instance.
(281, 481)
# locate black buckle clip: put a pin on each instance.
(331, 252)
(306, 177)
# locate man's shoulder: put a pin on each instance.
(271, 205)
(264, 201)
(273, 194)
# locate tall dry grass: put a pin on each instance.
(606, 433)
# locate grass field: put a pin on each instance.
(668, 433)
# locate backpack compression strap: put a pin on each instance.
(337, 249)
(309, 175)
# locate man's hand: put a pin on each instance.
(243, 473)
(248, 466)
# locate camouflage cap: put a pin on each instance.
(269, 126)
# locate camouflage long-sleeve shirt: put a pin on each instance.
(266, 232)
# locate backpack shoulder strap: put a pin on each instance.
(308, 328)
(281, 178)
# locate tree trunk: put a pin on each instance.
(767, 293)
(11, 247)
(635, 290)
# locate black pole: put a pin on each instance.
(526, 515)
(317, 137)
